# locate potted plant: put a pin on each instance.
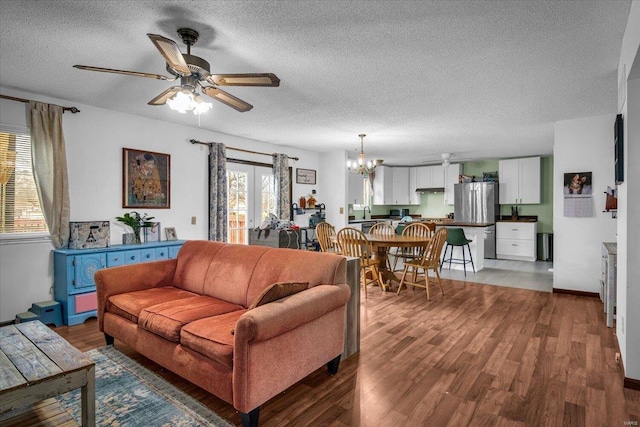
(136, 222)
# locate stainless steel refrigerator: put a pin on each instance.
(477, 203)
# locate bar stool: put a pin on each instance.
(455, 238)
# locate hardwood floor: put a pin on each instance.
(480, 355)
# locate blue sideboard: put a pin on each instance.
(73, 271)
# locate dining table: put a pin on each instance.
(382, 243)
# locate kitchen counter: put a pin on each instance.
(467, 224)
(474, 232)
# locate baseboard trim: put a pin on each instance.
(7, 323)
(632, 384)
(576, 293)
(629, 383)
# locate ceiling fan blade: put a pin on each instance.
(250, 79)
(162, 98)
(171, 53)
(127, 73)
(227, 98)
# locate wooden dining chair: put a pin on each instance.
(326, 234)
(417, 229)
(430, 260)
(354, 243)
(384, 229)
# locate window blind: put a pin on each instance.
(20, 210)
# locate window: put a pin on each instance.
(20, 210)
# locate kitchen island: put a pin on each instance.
(475, 233)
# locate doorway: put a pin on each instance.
(251, 198)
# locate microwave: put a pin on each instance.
(399, 212)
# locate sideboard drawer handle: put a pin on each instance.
(514, 244)
(133, 257)
(161, 253)
(148, 255)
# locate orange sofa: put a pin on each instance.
(191, 315)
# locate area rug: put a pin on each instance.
(128, 394)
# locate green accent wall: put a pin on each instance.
(432, 204)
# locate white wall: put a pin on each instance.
(94, 141)
(582, 145)
(334, 185)
(628, 280)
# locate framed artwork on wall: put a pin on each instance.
(305, 176)
(146, 179)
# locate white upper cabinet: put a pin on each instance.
(414, 196)
(452, 174)
(429, 176)
(383, 186)
(391, 186)
(400, 186)
(519, 180)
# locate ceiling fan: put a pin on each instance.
(446, 159)
(193, 71)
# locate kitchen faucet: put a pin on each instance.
(364, 212)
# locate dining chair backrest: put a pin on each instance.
(418, 229)
(353, 243)
(382, 229)
(431, 256)
(326, 237)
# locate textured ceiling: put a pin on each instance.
(479, 79)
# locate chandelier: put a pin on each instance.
(361, 166)
(188, 100)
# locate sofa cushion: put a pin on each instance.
(277, 291)
(212, 336)
(167, 318)
(130, 304)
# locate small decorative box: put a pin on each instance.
(89, 234)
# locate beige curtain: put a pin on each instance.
(50, 168)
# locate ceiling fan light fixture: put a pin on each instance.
(187, 100)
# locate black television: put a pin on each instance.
(618, 132)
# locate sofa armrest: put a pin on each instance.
(279, 343)
(130, 278)
(277, 317)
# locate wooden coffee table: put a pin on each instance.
(36, 364)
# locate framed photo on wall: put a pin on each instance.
(305, 176)
(146, 179)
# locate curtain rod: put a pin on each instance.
(193, 141)
(13, 98)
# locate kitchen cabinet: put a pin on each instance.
(391, 186)
(414, 196)
(429, 176)
(451, 177)
(355, 190)
(400, 186)
(516, 240)
(382, 186)
(73, 270)
(519, 181)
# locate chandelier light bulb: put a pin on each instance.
(362, 166)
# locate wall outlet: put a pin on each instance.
(193, 220)
(341, 210)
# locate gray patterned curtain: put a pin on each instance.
(50, 168)
(281, 173)
(217, 192)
